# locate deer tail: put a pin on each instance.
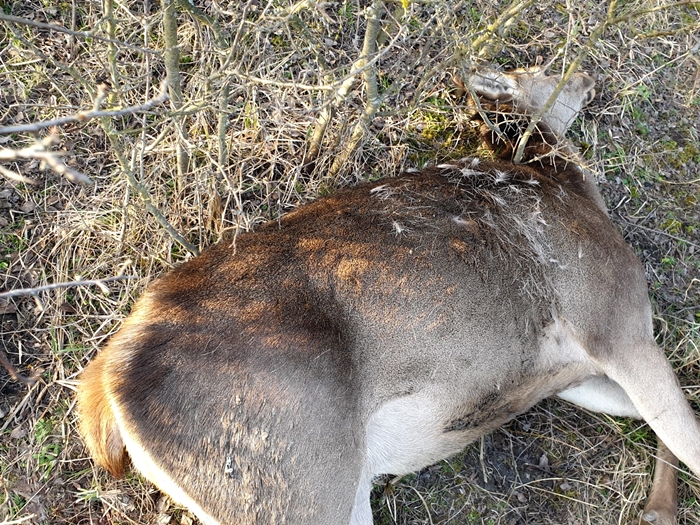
(98, 425)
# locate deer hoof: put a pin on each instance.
(657, 517)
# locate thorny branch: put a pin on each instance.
(171, 58)
(573, 67)
(535, 119)
(141, 190)
(340, 87)
(610, 20)
(483, 45)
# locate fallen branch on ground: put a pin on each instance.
(100, 283)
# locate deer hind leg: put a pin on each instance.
(661, 504)
(640, 379)
(602, 394)
(647, 378)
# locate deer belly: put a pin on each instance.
(412, 432)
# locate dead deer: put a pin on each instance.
(385, 327)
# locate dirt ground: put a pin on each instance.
(239, 143)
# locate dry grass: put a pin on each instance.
(257, 77)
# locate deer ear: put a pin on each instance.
(493, 85)
(589, 97)
(588, 85)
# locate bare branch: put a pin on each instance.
(484, 45)
(573, 67)
(341, 87)
(374, 101)
(172, 69)
(15, 176)
(609, 21)
(641, 12)
(100, 283)
(141, 190)
(633, 226)
(81, 34)
(84, 116)
(50, 158)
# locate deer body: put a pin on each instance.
(375, 331)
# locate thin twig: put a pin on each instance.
(100, 283)
(21, 520)
(537, 117)
(660, 232)
(326, 113)
(222, 47)
(50, 158)
(597, 32)
(84, 116)
(483, 46)
(641, 12)
(49, 59)
(360, 66)
(15, 176)
(681, 183)
(112, 50)
(15, 375)
(425, 504)
(573, 67)
(81, 34)
(141, 190)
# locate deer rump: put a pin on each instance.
(378, 330)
